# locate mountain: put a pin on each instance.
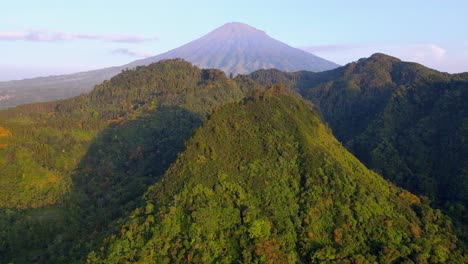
(401, 119)
(69, 168)
(234, 48)
(239, 49)
(278, 184)
(42, 89)
(264, 181)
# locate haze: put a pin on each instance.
(52, 37)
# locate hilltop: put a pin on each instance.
(266, 181)
(401, 119)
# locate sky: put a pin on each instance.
(41, 38)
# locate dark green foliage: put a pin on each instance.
(90, 158)
(350, 97)
(265, 181)
(262, 180)
(123, 160)
(419, 142)
(401, 119)
(298, 80)
(44, 143)
(36, 235)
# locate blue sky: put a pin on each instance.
(39, 38)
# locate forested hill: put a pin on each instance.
(49, 136)
(264, 181)
(86, 161)
(403, 120)
(274, 182)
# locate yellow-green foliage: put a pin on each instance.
(401, 119)
(4, 132)
(266, 181)
(54, 137)
(94, 155)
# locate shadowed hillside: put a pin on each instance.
(84, 162)
(401, 119)
(261, 180)
(265, 181)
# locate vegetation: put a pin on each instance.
(293, 194)
(262, 180)
(403, 120)
(84, 162)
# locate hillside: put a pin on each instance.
(131, 96)
(234, 48)
(42, 89)
(264, 181)
(278, 183)
(69, 168)
(401, 119)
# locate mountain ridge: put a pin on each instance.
(234, 47)
(69, 168)
(401, 119)
(291, 195)
(72, 168)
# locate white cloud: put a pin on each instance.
(428, 54)
(47, 36)
(132, 53)
(326, 48)
(438, 52)
(423, 53)
(6, 97)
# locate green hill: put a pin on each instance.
(69, 168)
(401, 119)
(264, 181)
(43, 142)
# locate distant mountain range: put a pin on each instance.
(405, 121)
(234, 48)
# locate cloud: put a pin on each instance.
(325, 48)
(47, 36)
(6, 97)
(438, 52)
(414, 52)
(132, 53)
(418, 52)
(428, 54)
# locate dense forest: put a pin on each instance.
(133, 169)
(403, 120)
(292, 195)
(70, 168)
